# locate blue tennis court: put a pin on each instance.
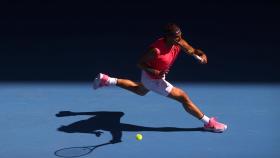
(38, 119)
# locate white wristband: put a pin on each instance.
(197, 57)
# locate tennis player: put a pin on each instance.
(155, 63)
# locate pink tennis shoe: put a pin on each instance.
(215, 126)
(100, 80)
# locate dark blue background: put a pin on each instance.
(73, 40)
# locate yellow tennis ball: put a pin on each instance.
(139, 136)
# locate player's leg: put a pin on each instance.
(210, 124)
(102, 80)
(132, 86)
(189, 106)
(163, 87)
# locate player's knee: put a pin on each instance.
(180, 95)
(183, 98)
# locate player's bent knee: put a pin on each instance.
(179, 95)
(183, 98)
(176, 92)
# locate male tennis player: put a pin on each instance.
(155, 63)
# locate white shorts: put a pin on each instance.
(160, 86)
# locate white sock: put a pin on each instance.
(205, 119)
(112, 81)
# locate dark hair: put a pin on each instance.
(171, 29)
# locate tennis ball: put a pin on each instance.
(139, 136)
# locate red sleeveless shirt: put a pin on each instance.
(164, 57)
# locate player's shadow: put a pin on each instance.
(109, 121)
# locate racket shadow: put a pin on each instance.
(111, 122)
(77, 151)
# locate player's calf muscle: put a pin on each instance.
(132, 86)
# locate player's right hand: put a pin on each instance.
(202, 55)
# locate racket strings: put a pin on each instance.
(73, 152)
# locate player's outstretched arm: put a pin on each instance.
(197, 53)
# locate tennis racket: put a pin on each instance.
(77, 151)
